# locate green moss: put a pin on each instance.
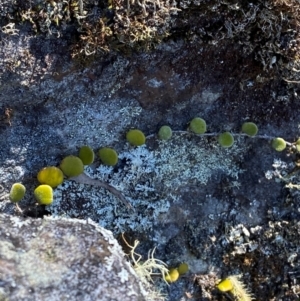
(278, 144)
(108, 156)
(71, 166)
(198, 125)
(135, 137)
(249, 128)
(86, 154)
(183, 268)
(17, 192)
(51, 176)
(172, 276)
(44, 194)
(165, 133)
(226, 139)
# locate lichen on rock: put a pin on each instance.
(63, 259)
(148, 178)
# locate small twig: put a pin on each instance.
(8, 114)
(128, 7)
(84, 179)
(80, 2)
(266, 137)
(291, 186)
(291, 81)
(19, 209)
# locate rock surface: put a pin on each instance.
(223, 211)
(62, 259)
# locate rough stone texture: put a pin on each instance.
(62, 259)
(232, 211)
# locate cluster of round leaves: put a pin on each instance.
(175, 273)
(71, 166)
(43, 193)
(198, 126)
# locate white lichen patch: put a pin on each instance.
(123, 275)
(187, 159)
(149, 180)
(19, 223)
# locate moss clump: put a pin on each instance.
(226, 139)
(165, 132)
(86, 154)
(249, 128)
(71, 166)
(51, 176)
(17, 192)
(44, 194)
(198, 125)
(172, 276)
(278, 144)
(108, 156)
(183, 268)
(135, 137)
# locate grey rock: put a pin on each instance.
(63, 259)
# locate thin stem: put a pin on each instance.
(266, 137)
(84, 179)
